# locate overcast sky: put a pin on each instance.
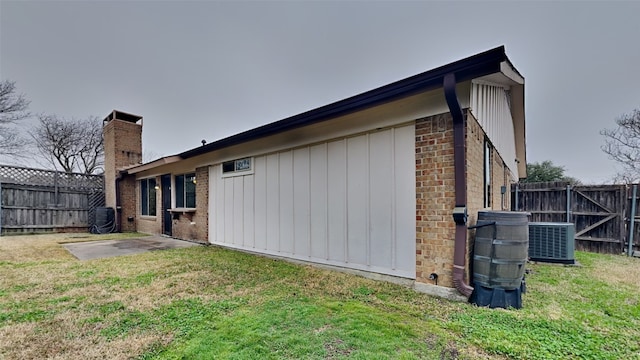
(207, 70)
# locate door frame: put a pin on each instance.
(167, 221)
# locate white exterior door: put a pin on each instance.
(349, 202)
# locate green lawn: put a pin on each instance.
(207, 302)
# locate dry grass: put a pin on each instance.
(623, 271)
(52, 281)
(207, 302)
(58, 307)
(65, 337)
(45, 247)
(32, 248)
(44, 278)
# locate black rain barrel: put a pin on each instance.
(105, 216)
(105, 221)
(499, 257)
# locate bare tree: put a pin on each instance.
(74, 145)
(91, 154)
(13, 108)
(150, 155)
(622, 144)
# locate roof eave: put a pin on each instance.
(154, 164)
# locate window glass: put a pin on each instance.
(236, 165)
(180, 191)
(487, 174)
(190, 191)
(228, 166)
(148, 197)
(186, 190)
(144, 197)
(152, 197)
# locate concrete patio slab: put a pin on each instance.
(110, 248)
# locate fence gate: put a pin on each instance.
(600, 213)
(33, 200)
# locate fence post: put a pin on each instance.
(632, 220)
(0, 208)
(568, 203)
(55, 189)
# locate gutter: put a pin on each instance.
(459, 161)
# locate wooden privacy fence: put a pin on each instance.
(34, 200)
(601, 213)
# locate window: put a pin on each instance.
(148, 197)
(186, 191)
(487, 173)
(236, 167)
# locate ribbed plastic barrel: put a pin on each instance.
(501, 249)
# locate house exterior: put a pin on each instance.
(384, 182)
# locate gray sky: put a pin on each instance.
(206, 70)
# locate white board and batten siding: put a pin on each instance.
(491, 107)
(348, 202)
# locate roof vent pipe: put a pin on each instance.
(459, 160)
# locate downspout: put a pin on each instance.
(459, 163)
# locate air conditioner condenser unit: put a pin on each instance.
(552, 242)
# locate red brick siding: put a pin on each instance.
(435, 192)
(500, 175)
(435, 199)
(122, 148)
(195, 225)
(475, 137)
(149, 224)
(128, 196)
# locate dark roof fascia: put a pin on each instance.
(469, 68)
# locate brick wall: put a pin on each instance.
(195, 225)
(148, 224)
(497, 180)
(500, 176)
(183, 227)
(435, 199)
(122, 148)
(504, 177)
(201, 217)
(110, 172)
(475, 137)
(435, 193)
(128, 197)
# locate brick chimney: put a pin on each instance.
(122, 134)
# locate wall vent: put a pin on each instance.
(552, 242)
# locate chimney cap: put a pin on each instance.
(121, 115)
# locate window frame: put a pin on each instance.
(239, 167)
(488, 174)
(148, 197)
(182, 200)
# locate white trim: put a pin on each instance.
(249, 171)
(507, 69)
(236, 173)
